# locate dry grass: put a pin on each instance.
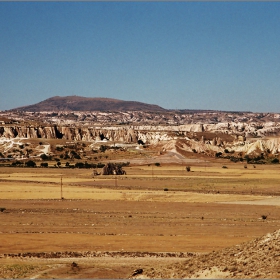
(133, 212)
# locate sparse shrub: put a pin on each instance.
(79, 165)
(264, 217)
(165, 189)
(44, 164)
(30, 163)
(76, 156)
(66, 155)
(44, 157)
(275, 160)
(103, 148)
(245, 165)
(2, 209)
(88, 165)
(224, 166)
(247, 158)
(157, 164)
(234, 159)
(188, 168)
(17, 163)
(218, 154)
(194, 151)
(140, 142)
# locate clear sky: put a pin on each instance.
(178, 55)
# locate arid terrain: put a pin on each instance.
(138, 194)
(162, 219)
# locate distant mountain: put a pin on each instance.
(78, 103)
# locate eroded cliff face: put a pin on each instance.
(200, 138)
(130, 134)
(122, 134)
(237, 147)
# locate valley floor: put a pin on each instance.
(159, 221)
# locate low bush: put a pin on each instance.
(30, 163)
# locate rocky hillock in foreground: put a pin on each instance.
(258, 258)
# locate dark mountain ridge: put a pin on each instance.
(79, 103)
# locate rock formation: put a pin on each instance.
(202, 132)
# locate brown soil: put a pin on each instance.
(136, 226)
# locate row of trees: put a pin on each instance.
(32, 163)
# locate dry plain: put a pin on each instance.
(149, 218)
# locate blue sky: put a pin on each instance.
(179, 55)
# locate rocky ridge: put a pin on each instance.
(196, 132)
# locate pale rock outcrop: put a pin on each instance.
(245, 135)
